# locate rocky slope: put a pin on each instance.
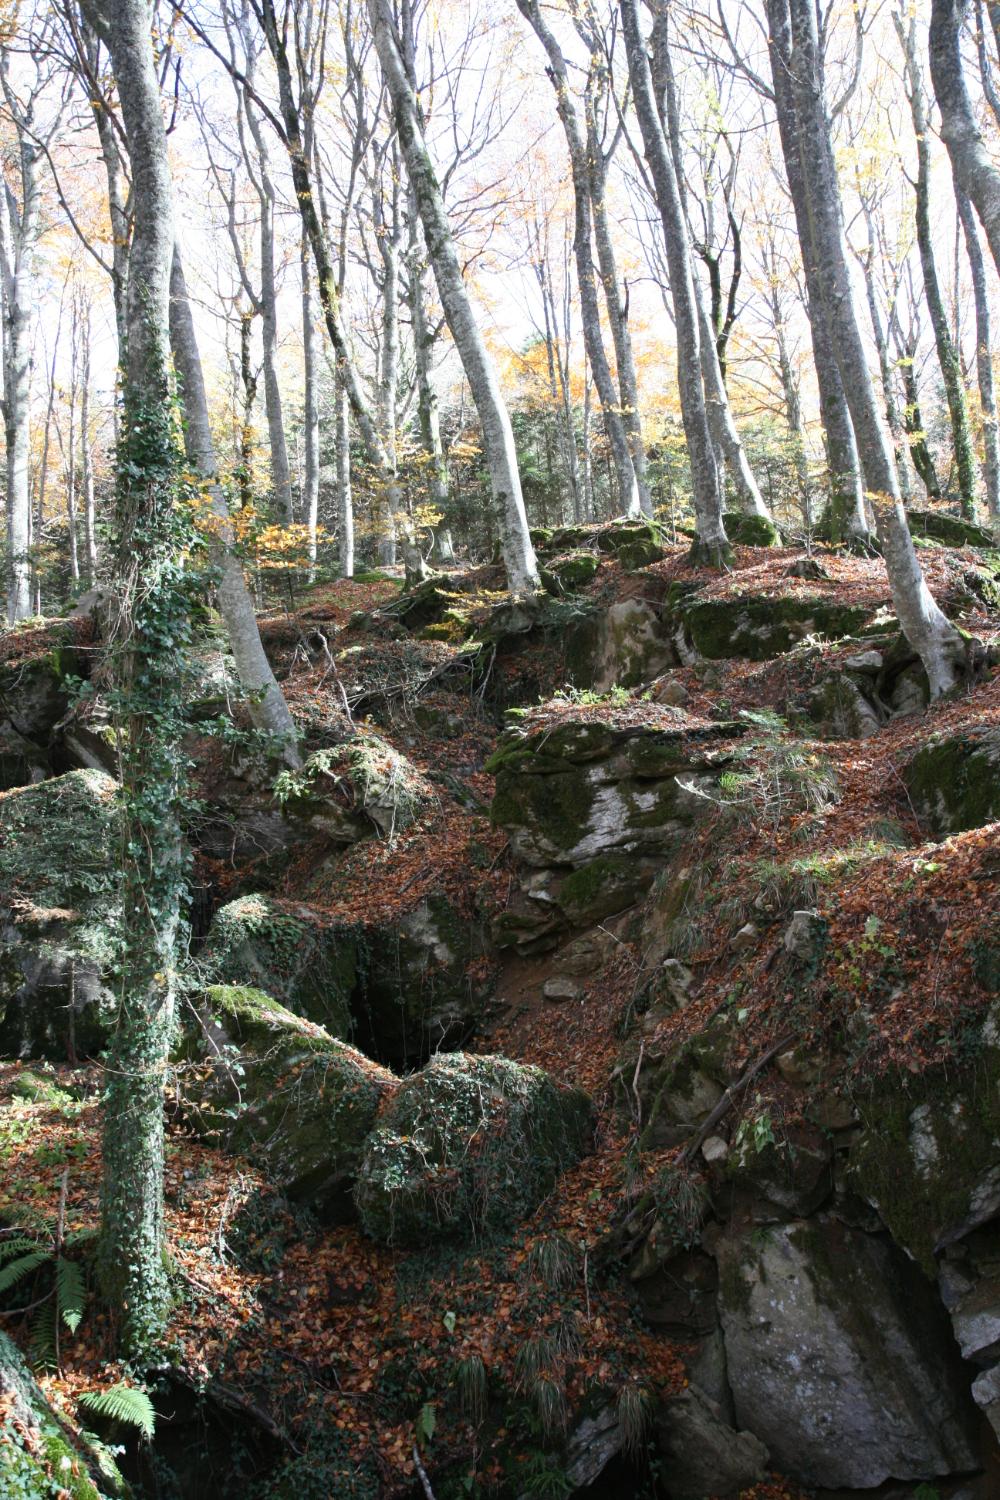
(589, 1073)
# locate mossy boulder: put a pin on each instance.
(758, 627)
(357, 787)
(467, 1146)
(288, 953)
(41, 1456)
(950, 531)
(58, 915)
(574, 572)
(750, 530)
(954, 780)
(584, 790)
(268, 1083)
(33, 701)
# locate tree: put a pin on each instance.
(498, 436)
(151, 629)
(975, 171)
(805, 133)
(712, 544)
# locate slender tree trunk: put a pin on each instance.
(428, 410)
(984, 357)
(345, 503)
(913, 422)
(974, 168)
(795, 47)
(951, 371)
(711, 545)
(498, 436)
(17, 264)
(87, 453)
(281, 472)
(310, 410)
(896, 427)
(590, 312)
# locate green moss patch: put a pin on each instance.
(954, 781)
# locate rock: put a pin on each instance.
(363, 778)
(800, 1068)
(676, 1098)
(561, 987)
(830, 1110)
(468, 1145)
(670, 691)
(869, 662)
(40, 1454)
(671, 985)
(585, 790)
(745, 938)
(950, 531)
(840, 1358)
(954, 780)
(910, 693)
(794, 1175)
(576, 571)
(758, 627)
(282, 1090)
(806, 567)
(58, 916)
(749, 530)
(715, 1149)
(587, 955)
(633, 646)
(294, 957)
(805, 936)
(603, 888)
(986, 1394)
(842, 711)
(591, 1447)
(702, 1455)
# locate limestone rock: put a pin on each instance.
(671, 691)
(58, 915)
(954, 781)
(587, 954)
(467, 1145)
(950, 531)
(759, 627)
(840, 1358)
(591, 1447)
(633, 646)
(702, 1454)
(283, 1090)
(805, 936)
(749, 530)
(561, 987)
(715, 1149)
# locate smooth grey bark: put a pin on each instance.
(265, 700)
(610, 396)
(345, 504)
(614, 302)
(984, 357)
(310, 408)
(794, 46)
(19, 227)
(722, 426)
(428, 409)
(948, 360)
(866, 260)
(974, 168)
(498, 437)
(712, 542)
(87, 452)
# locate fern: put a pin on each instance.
(71, 1294)
(16, 1270)
(122, 1403)
(16, 1246)
(42, 1345)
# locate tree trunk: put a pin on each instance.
(87, 454)
(795, 47)
(984, 358)
(310, 410)
(951, 372)
(712, 544)
(147, 679)
(428, 410)
(896, 426)
(345, 502)
(264, 697)
(972, 163)
(17, 262)
(498, 436)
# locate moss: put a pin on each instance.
(601, 888)
(467, 1146)
(640, 553)
(927, 1144)
(576, 571)
(750, 531)
(950, 531)
(760, 628)
(308, 966)
(954, 782)
(282, 1088)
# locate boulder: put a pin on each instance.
(954, 780)
(950, 531)
(632, 646)
(58, 915)
(468, 1145)
(842, 710)
(33, 700)
(584, 790)
(354, 788)
(750, 530)
(759, 627)
(840, 1358)
(268, 1083)
(702, 1454)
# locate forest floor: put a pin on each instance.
(319, 1328)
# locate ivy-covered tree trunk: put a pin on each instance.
(498, 435)
(150, 633)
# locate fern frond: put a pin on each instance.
(42, 1344)
(122, 1403)
(17, 1246)
(16, 1270)
(71, 1293)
